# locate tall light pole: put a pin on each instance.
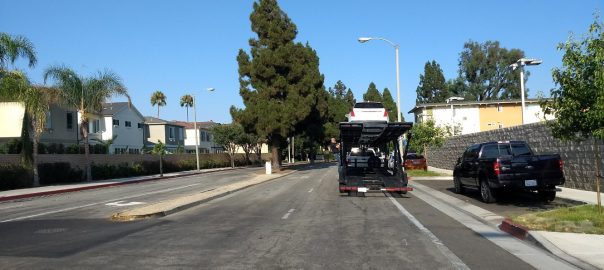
(195, 126)
(520, 64)
(398, 84)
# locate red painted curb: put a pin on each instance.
(514, 229)
(52, 192)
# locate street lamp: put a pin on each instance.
(398, 87)
(520, 64)
(195, 127)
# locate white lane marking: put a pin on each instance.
(534, 256)
(455, 261)
(310, 190)
(123, 203)
(97, 203)
(288, 213)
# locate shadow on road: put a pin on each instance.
(55, 238)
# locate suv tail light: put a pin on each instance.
(385, 113)
(497, 168)
(561, 164)
(352, 113)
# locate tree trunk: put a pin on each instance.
(35, 160)
(157, 110)
(161, 166)
(232, 156)
(598, 175)
(275, 157)
(86, 150)
(187, 113)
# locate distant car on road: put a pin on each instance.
(415, 162)
(493, 166)
(367, 112)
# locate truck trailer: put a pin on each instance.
(364, 171)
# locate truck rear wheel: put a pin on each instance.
(486, 193)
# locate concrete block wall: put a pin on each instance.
(579, 157)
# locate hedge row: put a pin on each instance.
(14, 146)
(17, 176)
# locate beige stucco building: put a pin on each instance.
(464, 117)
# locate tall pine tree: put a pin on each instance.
(432, 87)
(280, 82)
(372, 94)
(389, 104)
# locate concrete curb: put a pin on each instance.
(536, 239)
(163, 213)
(75, 189)
(533, 237)
(514, 229)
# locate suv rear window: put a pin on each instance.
(368, 105)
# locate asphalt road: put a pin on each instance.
(298, 221)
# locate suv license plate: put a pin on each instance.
(530, 183)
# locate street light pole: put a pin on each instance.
(520, 64)
(522, 92)
(398, 86)
(195, 126)
(196, 131)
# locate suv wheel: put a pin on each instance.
(459, 189)
(486, 193)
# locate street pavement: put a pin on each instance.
(298, 221)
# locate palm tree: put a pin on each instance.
(36, 101)
(87, 94)
(158, 98)
(12, 47)
(187, 102)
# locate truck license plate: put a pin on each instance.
(530, 183)
(362, 189)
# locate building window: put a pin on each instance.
(171, 132)
(500, 125)
(116, 122)
(499, 108)
(119, 151)
(209, 137)
(180, 134)
(94, 126)
(140, 125)
(69, 120)
(127, 123)
(203, 136)
(134, 151)
(48, 124)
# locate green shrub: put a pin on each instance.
(59, 172)
(15, 176)
(14, 146)
(73, 149)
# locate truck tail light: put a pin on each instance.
(497, 168)
(561, 164)
(352, 113)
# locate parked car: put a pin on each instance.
(493, 166)
(368, 111)
(415, 162)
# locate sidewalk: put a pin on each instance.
(587, 248)
(585, 251)
(56, 189)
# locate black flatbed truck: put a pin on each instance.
(374, 176)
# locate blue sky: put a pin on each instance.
(181, 47)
